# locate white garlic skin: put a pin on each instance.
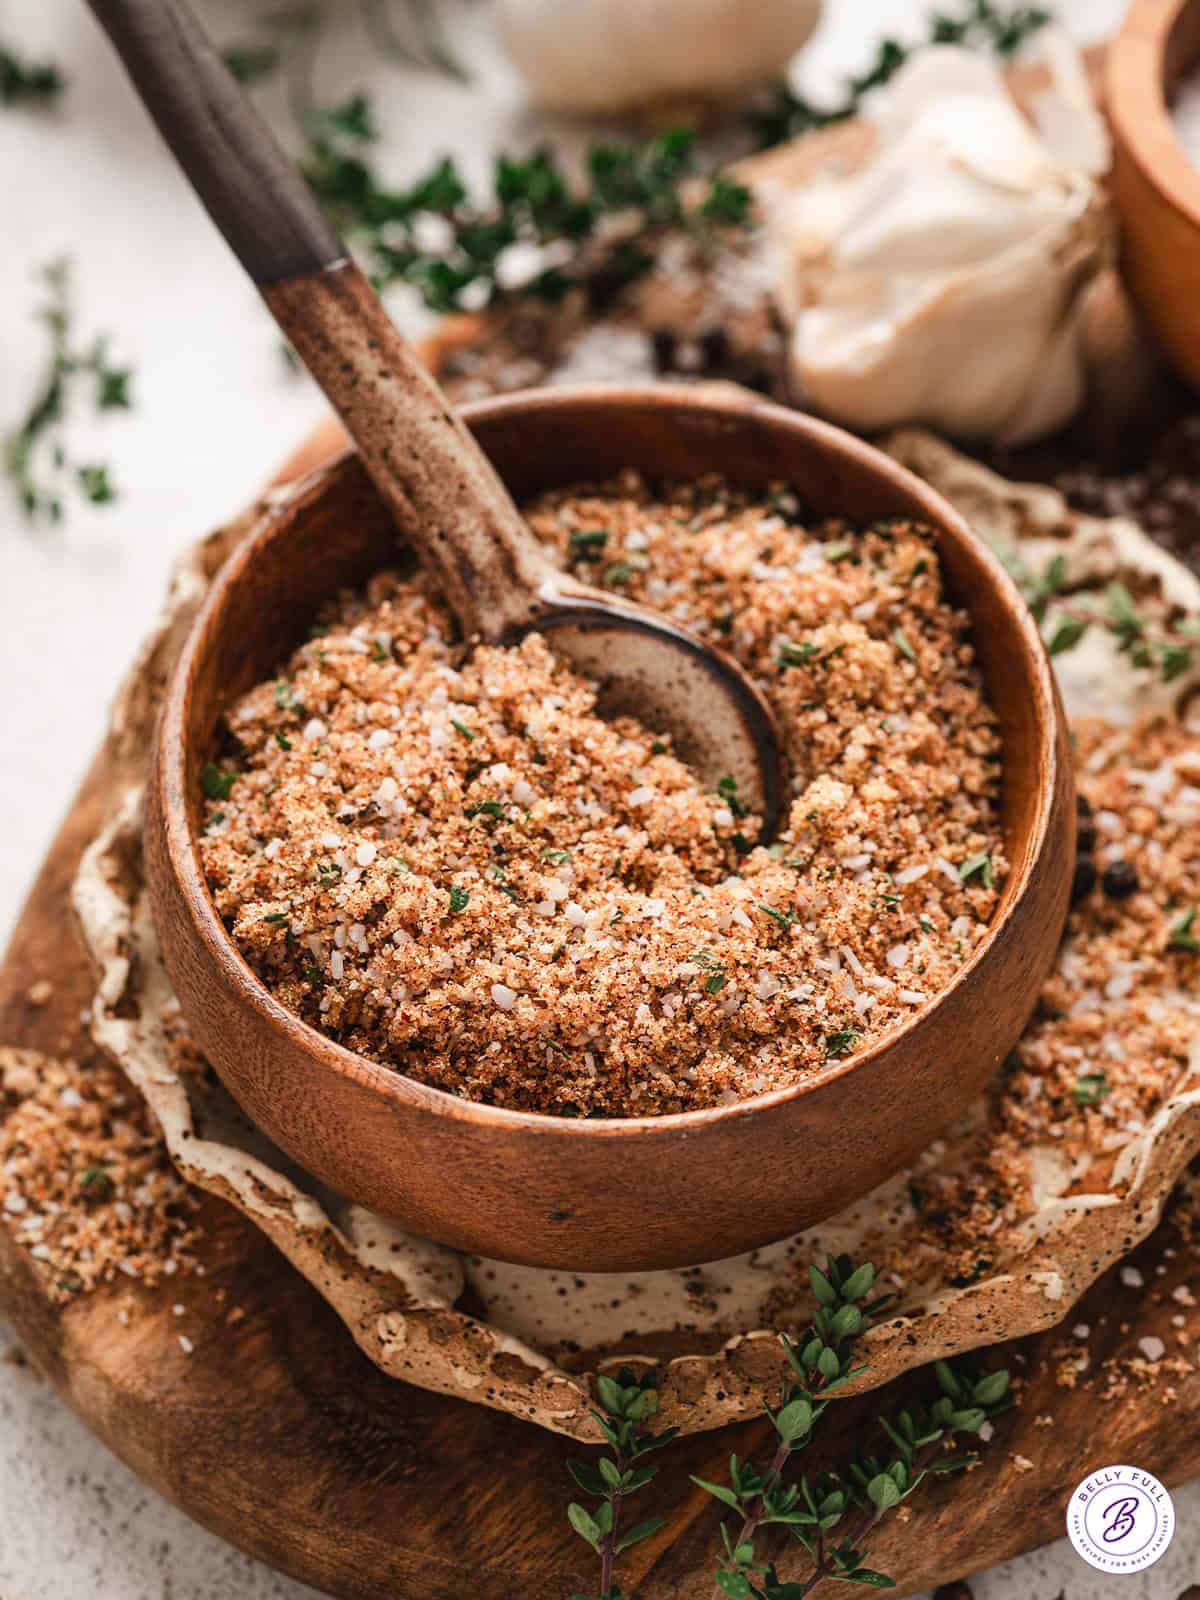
(944, 282)
(615, 55)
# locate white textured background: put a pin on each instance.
(215, 411)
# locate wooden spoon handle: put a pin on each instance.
(441, 488)
(247, 184)
(444, 493)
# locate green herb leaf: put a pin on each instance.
(797, 655)
(1067, 634)
(979, 865)
(217, 785)
(459, 899)
(840, 1043)
(1181, 936)
(587, 546)
(28, 83)
(461, 727)
(36, 458)
(584, 1524)
(1090, 1089)
(719, 1491)
(642, 1530)
(900, 640)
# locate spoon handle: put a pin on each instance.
(445, 495)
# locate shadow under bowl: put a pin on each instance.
(630, 1193)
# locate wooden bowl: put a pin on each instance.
(634, 1192)
(1156, 185)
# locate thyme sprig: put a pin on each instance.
(978, 25)
(833, 1515)
(1171, 651)
(28, 83)
(626, 1402)
(35, 453)
(462, 254)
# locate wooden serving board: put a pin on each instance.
(279, 1435)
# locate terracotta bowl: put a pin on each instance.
(1156, 184)
(635, 1192)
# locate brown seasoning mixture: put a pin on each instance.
(449, 863)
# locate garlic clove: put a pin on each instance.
(943, 281)
(615, 55)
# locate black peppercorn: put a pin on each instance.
(1120, 880)
(663, 342)
(1084, 881)
(714, 348)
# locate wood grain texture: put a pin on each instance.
(1156, 184)
(694, 1187)
(280, 1436)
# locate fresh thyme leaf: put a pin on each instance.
(558, 857)
(282, 740)
(978, 865)
(618, 574)
(596, 234)
(727, 788)
(783, 114)
(587, 545)
(715, 983)
(486, 808)
(783, 918)
(459, 899)
(840, 1044)
(252, 63)
(461, 727)
(94, 481)
(36, 458)
(1090, 1089)
(1181, 936)
(797, 655)
(1067, 634)
(900, 640)
(277, 916)
(285, 697)
(29, 83)
(217, 785)
(96, 1181)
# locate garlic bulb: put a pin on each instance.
(610, 55)
(944, 281)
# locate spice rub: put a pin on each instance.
(451, 864)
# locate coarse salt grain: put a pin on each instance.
(503, 996)
(365, 853)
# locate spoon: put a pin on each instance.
(441, 489)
